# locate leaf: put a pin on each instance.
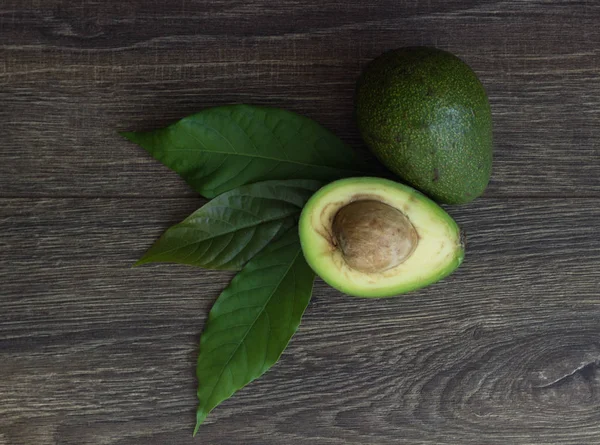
(229, 230)
(225, 147)
(252, 322)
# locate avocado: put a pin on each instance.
(372, 237)
(425, 115)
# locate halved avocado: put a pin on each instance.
(372, 237)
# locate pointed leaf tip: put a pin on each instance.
(252, 322)
(138, 263)
(212, 149)
(232, 228)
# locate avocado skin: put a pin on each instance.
(425, 115)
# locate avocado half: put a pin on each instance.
(372, 237)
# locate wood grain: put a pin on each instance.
(506, 350)
(72, 73)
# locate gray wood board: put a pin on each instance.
(73, 73)
(506, 350)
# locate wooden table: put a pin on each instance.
(505, 351)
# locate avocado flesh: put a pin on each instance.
(425, 115)
(438, 250)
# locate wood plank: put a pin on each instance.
(72, 73)
(506, 350)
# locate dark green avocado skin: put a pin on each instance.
(425, 115)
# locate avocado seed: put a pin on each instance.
(373, 236)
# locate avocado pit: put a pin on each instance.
(373, 236)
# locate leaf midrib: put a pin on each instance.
(249, 329)
(236, 153)
(213, 236)
(270, 159)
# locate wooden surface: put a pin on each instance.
(505, 351)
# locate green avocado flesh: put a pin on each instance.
(372, 237)
(425, 115)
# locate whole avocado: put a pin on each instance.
(425, 115)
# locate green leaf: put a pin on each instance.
(252, 322)
(225, 147)
(229, 230)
